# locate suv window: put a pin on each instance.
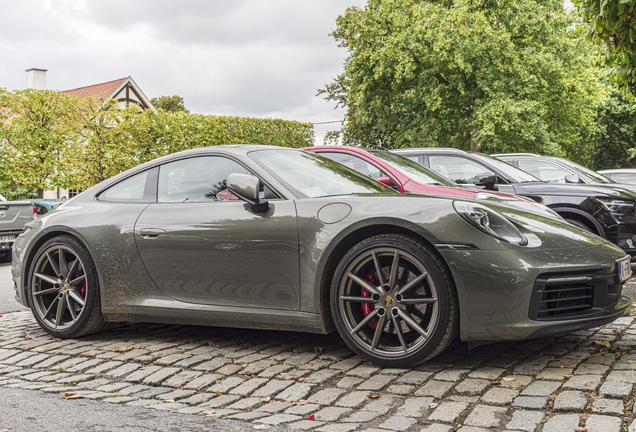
(355, 163)
(546, 171)
(458, 169)
(199, 179)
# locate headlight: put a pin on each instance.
(490, 222)
(616, 205)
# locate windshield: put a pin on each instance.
(412, 169)
(311, 176)
(510, 170)
(593, 174)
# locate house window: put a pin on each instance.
(73, 193)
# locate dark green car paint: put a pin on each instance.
(221, 264)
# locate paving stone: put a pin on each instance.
(451, 374)
(338, 427)
(305, 424)
(376, 382)
(609, 406)
(247, 416)
(353, 399)
(229, 369)
(133, 389)
(561, 423)
(74, 379)
(211, 365)
(363, 371)
(112, 387)
(570, 401)
(616, 389)
(124, 369)
(303, 410)
(119, 400)
(532, 402)
(198, 398)
(583, 382)
(249, 386)
(295, 393)
(622, 376)
(346, 364)
(91, 384)
(272, 387)
(348, 382)
(326, 396)
(273, 407)
(485, 416)
(226, 385)
(321, 376)
(448, 411)
(220, 401)
(437, 427)
(245, 404)
(171, 359)
(414, 377)
(279, 418)
(472, 386)
(398, 423)
(331, 414)
(414, 407)
(361, 417)
(202, 382)
(104, 367)
(159, 376)
(591, 369)
(176, 395)
(488, 373)
(554, 374)
(541, 388)
(500, 396)
(151, 392)
(601, 423)
(434, 388)
(516, 381)
(181, 378)
(525, 420)
(401, 389)
(383, 404)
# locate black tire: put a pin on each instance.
(5, 257)
(580, 224)
(62, 283)
(418, 314)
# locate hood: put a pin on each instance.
(608, 191)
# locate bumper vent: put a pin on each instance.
(558, 297)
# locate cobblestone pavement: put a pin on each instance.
(581, 381)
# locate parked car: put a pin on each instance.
(278, 238)
(621, 175)
(13, 216)
(605, 210)
(43, 206)
(407, 176)
(558, 170)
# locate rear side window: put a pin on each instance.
(356, 163)
(138, 188)
(458, 169)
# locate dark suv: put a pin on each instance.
(604, 210)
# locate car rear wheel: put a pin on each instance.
(393, 301)
(63, 289)
(579, 224)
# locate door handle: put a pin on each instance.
(152, 232)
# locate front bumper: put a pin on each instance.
(498, 291)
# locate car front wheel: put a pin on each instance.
(63, 289)
(393, 301)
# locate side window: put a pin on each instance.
(622, 178)
(199, 179)
(458, 169)
(546, 171)
(355, 163)
(133, 189)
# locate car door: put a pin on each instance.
(462, 171)
(201, 245)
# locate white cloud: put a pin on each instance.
(234, 57)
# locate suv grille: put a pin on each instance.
(558, 297)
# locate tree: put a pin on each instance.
(612, 23)
(33, 139)
(171, 104)
(489, 75)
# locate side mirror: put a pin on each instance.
(246, 188)
(571, 178)
(384, 180)
(486, 179)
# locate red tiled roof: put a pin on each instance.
(101, 91)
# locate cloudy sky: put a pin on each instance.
(227, 57)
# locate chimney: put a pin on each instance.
(36, 79)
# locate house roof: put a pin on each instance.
(102, 91)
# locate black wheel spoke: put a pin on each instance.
(54, 265)
(364, 322)
(398, 330)
(394, 268)
(71, 309)
(378, 268)
(355, 299)
(77, 280)
(76, 297)
(63, 263)
(364, 284)
(411, 323)
(415, 301)
(379, 329)
(61, 305)
(410, 285)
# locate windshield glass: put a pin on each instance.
(311, 176)
(593, 174)
(412, 169)
(510, 170)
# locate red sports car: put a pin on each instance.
(402, 174)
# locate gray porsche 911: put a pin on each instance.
(275, 238)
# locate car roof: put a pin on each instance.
(619, 170)
(430, 149)
(516, 155)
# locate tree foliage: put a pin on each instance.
(612, 23)
(49, 139)
(169, 103)
(492, 75)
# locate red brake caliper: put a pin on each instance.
(368, 307)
